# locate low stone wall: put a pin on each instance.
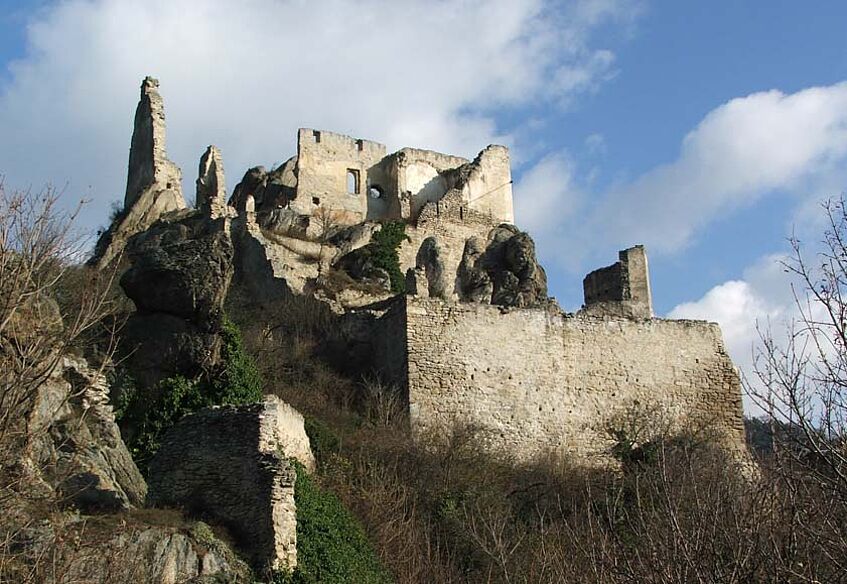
(231, 463)
(538, 380)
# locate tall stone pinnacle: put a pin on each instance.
(153, 183)
(148, 162)
(211, 184)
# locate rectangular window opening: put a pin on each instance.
(360, 144)
(317, 136)
(316, 201)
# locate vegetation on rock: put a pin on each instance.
(384, 247)
(237, 382)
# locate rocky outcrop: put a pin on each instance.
(506, 273)
(429, 260)
(150, 547)
(154, 183)
(232, 463)
(359, 266)
(253, 184)
(178, 279)
(76, 445)
(211, 184)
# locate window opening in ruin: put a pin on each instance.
(317, 136)
(316, 201)
(462, 213)
(352, 181)
(360, 144)
(375, 192)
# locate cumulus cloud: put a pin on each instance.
(740, 152)
(761, 300)
(245, 75)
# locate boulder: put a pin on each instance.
(475, 284)
(505, 273)
(253, 184)
(429, 259)
(175, 272)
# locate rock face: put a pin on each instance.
(178, 279)
(154, 183)
(429, 260)
(126, 550)
(232, 464)
(76, 444)
(253, 184)
(211, 184)
(506, 273)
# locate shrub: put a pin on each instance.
(238, 382)
(331, 545)
(384, 245)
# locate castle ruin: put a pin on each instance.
(475, 340)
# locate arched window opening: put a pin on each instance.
(352, 181)
(375, 192)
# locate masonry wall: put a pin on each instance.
(538, 380)
(323, 159)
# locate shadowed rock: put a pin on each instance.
(211, 184)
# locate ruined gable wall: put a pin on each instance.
(539, 380)
(488, 188)
(418, 178)
(323, 159)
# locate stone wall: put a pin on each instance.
(323, 161)
(538, 380)
(622, 289)
(488, 186)
(232, 464)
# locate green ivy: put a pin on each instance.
(384, 245)
(237, 382)
(331, 545)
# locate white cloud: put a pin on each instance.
(741, 151)
(245, 75)
(761, 300)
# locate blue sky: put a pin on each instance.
(706, 130)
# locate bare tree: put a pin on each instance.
(39, 249)
(801, 381)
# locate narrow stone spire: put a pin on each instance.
(148, 162)
(211, 184)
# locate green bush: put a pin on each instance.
(331, 545)
(384, 245)
(237, 382)
(321, 438)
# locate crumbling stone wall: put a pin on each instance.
(538, 380)
(232, 464)
(622, 289)
(323, 161)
